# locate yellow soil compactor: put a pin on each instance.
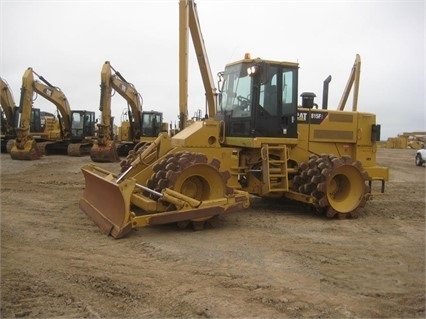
(255, 141)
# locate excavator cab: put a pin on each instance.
(35, 119)
(151, 123)
(36, 125)
(259, 99)
(82, 125)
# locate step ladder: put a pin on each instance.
(274, 168)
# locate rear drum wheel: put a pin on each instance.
(338, 185)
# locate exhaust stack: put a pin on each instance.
(325, 92)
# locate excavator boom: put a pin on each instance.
(133, 98)
(58, 98)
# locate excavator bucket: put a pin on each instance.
(29, 151)
(105, 202)
(104, 153)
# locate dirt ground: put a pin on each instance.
(274, 260)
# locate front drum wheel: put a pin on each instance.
(191, 175)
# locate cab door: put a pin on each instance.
(275, 103)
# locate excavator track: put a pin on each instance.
(79, 149)
(62, 147)
(337, 184)
(52, 148)
(191, 175)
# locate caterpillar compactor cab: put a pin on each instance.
(138, 128)
(75, 128)
(256, 141)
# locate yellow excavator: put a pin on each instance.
(138, 128)
(75, 128)
(256, 141)
(43, 125)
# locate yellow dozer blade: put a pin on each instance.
(106, 202)
(195, 193)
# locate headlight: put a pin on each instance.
(252, 70)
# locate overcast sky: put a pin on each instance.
(67, 42)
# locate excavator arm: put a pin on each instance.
(106, 91)
(133, 98)
(104, 149)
